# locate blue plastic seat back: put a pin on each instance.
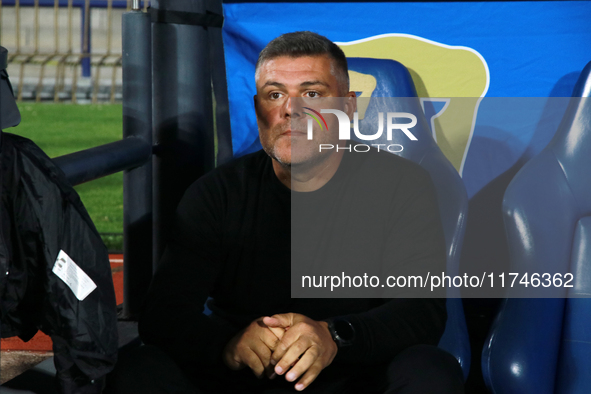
(574, 156)
(544, 345)
(394, 82)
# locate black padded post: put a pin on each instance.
(137, 182)
(182, 105)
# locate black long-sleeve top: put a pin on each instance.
(231, 242)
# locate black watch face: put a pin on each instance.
(344, 330)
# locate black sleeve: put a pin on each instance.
(415, 245)
(172, 316)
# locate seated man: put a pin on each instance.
(231, 242)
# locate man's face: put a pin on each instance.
(282, 125)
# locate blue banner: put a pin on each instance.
(456, 49)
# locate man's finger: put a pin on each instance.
(282, 320)
(294, 352)
(310, 375)
(302, 365)
(233, 363)
(278, 331)
(254, 363)
(263, 352)
(289, 338)
(271, 337)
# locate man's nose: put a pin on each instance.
(292, 108)
(287, 107)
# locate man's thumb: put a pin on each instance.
(277, 321)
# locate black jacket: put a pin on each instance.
(41, 215)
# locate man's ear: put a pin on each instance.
(350, 104)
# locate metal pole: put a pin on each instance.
(85, 39)
(137, 183)
(182, 118)
(89, 164)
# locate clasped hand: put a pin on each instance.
(290, 344)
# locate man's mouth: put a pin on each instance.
(293, 133)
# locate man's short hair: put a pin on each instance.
(307, 43)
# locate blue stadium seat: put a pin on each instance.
(393, 80)
(544, 345)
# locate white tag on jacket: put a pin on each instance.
(73, 276)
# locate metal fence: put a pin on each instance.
(64, 50)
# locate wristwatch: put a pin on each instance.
(342, 331)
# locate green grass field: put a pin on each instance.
(60, 129)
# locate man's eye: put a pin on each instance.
(275, 95)
(312, 94)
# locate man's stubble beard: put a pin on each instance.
(311, 160)
(269, 148)
(271, 153)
